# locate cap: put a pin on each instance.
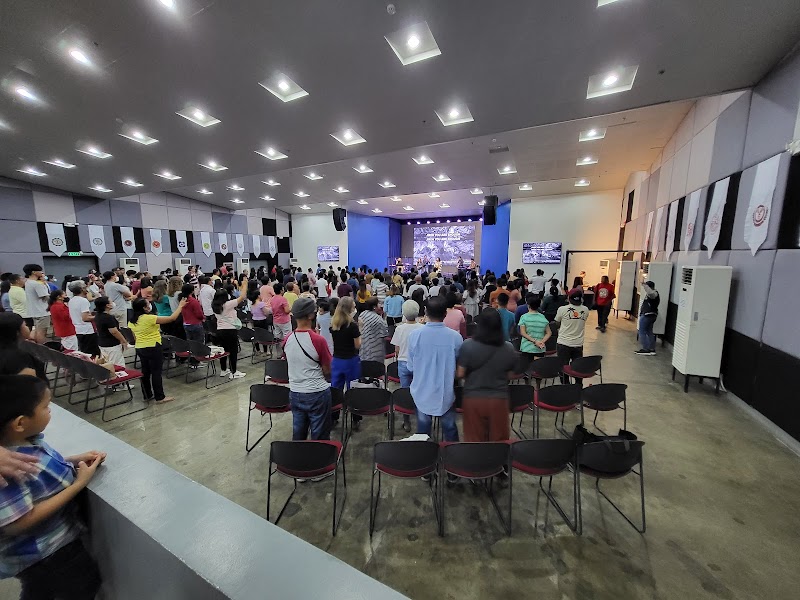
(575, 296)
(303, 307)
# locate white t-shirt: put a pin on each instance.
(400, 338)
(306, 353)
(434, 291)
(322, 288)
(573, 322)
(537, 284)
(77, 306)
(418, 286)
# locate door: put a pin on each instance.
(77, 266)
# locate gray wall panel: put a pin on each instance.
(12, 262)
(238, 224)
(19, 236)
(729, 139)
(16, 204)
(221, 222)
(750, 290)
(652, 193)
(126, 214)
(92, 212)
(780, 323)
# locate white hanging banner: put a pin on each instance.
(691, 219)
(239, 237)
(223, 242)
(56, 239)
(128, 242)
(180, 238)
(155, 242)
(256, 245)
(756, 225)
(657, 232)
(671, 224)
(647, 233)
(97, 238)
(714, 220)
(205, 241)
(272, 244)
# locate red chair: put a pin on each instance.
(558, 399)
(108, 383)
(268, 400)
(390, 352)
(402, 403)
(585, 367)
(202, 354)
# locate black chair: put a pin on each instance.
(520, 372)
(367, 402)
(277, 371)
(309, 459)
(404, 460)
(543, 369)
(245, 335)
(520, 400)
(392, 373)
(202, 354)
(480, 461)
(390, 352)
(585, 367)
(268, 400)
(266, 338)
(373, 371)
(471, 329)
(547, 458)
(108, 382)
(558, 399)
(612, 460)
(402, 403)
(177, 347)
(131, 339)
(605, 397)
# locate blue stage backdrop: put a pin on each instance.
(372, 240)
(494, 241)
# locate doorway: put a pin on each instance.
(77, 266)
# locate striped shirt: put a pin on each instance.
(373, 336)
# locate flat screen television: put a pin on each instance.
(541, 253)
(328, 253)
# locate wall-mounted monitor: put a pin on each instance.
(541, 253)
(328, 253)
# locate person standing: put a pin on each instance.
(410, 310)
(17, 298)
(281, 320)
(344, 289)
(109, 338)
(119, 295)
(224, 307)
(472, 299)
(485, 362)
(82, 317)
(432, 353)
(193, 317)
(373, 333)
(551, 303)
(534, 329)
(290, 295)
(326, 309)
(454, 319)
(573, 323)
(393, 306)
(648, 313)
(537, 283)
(346, 364)
(62, 321)
(37, 294)
(379, 288)
(603, 296)
(309, 361)
(417, 285)
(506, 316)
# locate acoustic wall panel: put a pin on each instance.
(729, 139)
(780, 324)
(16, 204)
(701, 155)
(54, 208)
(680, 169)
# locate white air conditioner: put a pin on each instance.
(660, 273)
(182, 265)
(702, 314)
(608, 268)
(625, 284)
(129, 264)
(243, 265)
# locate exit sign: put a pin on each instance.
(74, 253)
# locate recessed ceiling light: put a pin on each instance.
(204, 191)
(271, 153)
(167, 175)
(332, 204)
(93, 151)
(595, 133)
(586, 160)
(604, 2)
(348, 137)
(283, 87)
(57, 162)
(305, 207)
(137, 135)
(386, 184)
(131, 182)
(408, 208)
(32, 171)
(168, 3)
(213, 165)
(507, 170)
(423, 160)
(441, 177)
(362, 168)
(79, 56)
(267, 198)
(301, 194)
(433, 195)
(444, 205)
(396, 199)
(481, 202)
(582, 183)
(271, 182)
(341, 189)
(312, 176)
(476, 191)
(100, 188)
(362, 202)
(237, 201)
(200, 117)
(525, 187)
(453, 115)
(413, 44)
(235, 187)
(612, 82)
(377, 210)
(26, 93)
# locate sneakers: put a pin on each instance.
(321, 477)
(645, 352)
(225, 373)
(599, 328)
(237, 375)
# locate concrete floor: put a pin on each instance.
(722, 499)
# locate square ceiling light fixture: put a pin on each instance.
(131, 182)
(362, 168)
(611, 82)
(305, 207)
(271, 153)
(301, 194)
(595, 133)
(313, 176)
(100, 188)
(267, 198)
(33, 171)
(604, 2)
(93, 151)
(198, 116)
(444, 205)
(586, 160)
(348, 137)
(423, 159)
(271, 182)
(377, 210)
(582, 182)
(236, 187)
(525, 187)
(455, 114)
(507, 169)
(213, 165)
(408, 208)
(237, 201)
(284, 87)
(138, 136)
(481, 202)
(204, 191)
(441, 177)
(340, 189)
(332, 204)
(433, 195)
(57, 162)
(396, 199)
(386, 184)
(476, 191)
(413, 44)
(361, 202)
(167, 175)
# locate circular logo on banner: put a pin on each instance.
(128, 243)
(97, 241)
(57, 242)
(690, 229)
(181, 244)
(206, 246)
(714, 225)
(223, 247)
(760, 215)
(156, 244)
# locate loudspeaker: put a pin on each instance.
(339, 219)
(490, 210)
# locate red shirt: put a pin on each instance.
(62, 322)
(193, 312)
(603, 294)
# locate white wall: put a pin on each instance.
(310, 231)
(583, 221)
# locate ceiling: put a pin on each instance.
(517, 65)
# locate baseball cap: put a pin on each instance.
(303, 307)
(575, 296)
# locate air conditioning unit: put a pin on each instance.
(182, 265)
(625, 285)
(243, 265)
(294, 261)
(129, 264)
(702, 314)
(660, 273)
(608, 268)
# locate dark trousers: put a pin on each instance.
(566, 354)
(70, 573)
(87, 342)
(602, 314)
(486, 419)
(152, 365)
(229, 340)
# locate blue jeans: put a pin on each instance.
(312, 409)
(345, 370)
(447, 421)
(646, 336)
(404, 374)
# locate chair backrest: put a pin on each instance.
(373, 369)
(586, 364)
(246, 334)
(407, 455)
(389, 346)
(177, 344)
(128, 335)
(524, 362)
(269, 396)
(560, 395)
(96, 372)
(520, 395)
(544, 453)
(337, 397)
(611, 457)
(402, 397)
(367, 399)
(262, 336)
(604, 396)
(479, 458)
(277, 369)
(76, 365)
(471, 329)
(306, 455)
(548, 367)
(198, 348)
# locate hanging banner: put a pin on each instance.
(180, 239)
(272, 244)
(239, 237)
(56, 240)
(222, 239)
(692, 204)
(256, 245)
(97, 238)
(205, 242)
(657, 232)
(155, 242)
(671, 224)
(714, 220)
(756, 225)
(128, 242)
(647, 233)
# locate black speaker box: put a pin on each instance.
(339, 219)
(490, 210)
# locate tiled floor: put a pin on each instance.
(723, 499)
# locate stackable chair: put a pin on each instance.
(268, 400)
(245, 335)
(391, 372)
(520, 371)
(277, 370)
(585, 367)
(202, 354)
(131, 339)
(390, 352)
(605, 397)
(106, 381)
(520, 400)
(402, 403)
(267, 340)
(179, 348)
(373, 371)
(367, 402)
(558, 399)
(544, 369)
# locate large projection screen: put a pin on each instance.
(448, 242)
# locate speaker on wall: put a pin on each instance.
(490, 210)
(339, 219)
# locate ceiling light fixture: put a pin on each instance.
(332, 204)
(362, 202)
(131, 182)
(271, 153)
(348, 137)
(444, 205)
(396, 199)
(137, 136)
(271, 182)
(413, 44)
(80, 57)
(454, 115)
(604, 2)
(32, 171)
(408, 208)
(312, 176)
(525, 187)
(341, 190)
(237, 201)
(197, 116)
(267, 198)
(26, 93)
(93, 151)
(170, 4)
(204, 191)
(301, 194)
(433, 195)
(423, 160)
(235, 187)
(386, 184)
(362, 168)
(377, 210)
(586, 160)
(305, 207)
(481, 202)
(507, 170)
(612, 82)
(100, 188)
(582, 183)
(167, 175)
(213, 165)
(57, 162)
(595, 133)
(476, 191)
(441, 177)
(283, 87)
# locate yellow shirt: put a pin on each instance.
(290, 298)
(147, 331)
(18, 300)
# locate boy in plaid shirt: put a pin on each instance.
(39, 529)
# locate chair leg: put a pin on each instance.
(336, 493)
(285, 504)
(640, 474)
(440, 480)
(548, 493)
(506, 523)
(373, 501)
(247, 437)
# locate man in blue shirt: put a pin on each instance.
(506, 316)
(432, 353)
